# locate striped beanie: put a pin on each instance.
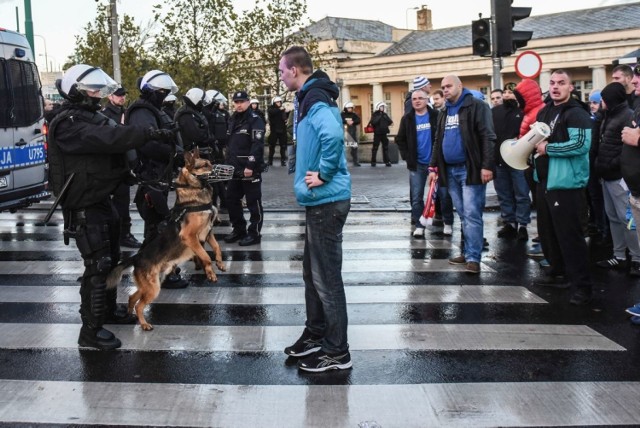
(420, 82)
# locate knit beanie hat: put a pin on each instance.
(613, 95)
(595, 96)
(420, 82)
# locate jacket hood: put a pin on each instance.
(613, 95)
(319, 80)
(528, 92)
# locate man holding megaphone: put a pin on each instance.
(562, 172)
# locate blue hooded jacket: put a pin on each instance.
(320, 143)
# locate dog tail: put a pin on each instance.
(115, 276)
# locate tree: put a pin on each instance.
(262, 34)
(193, 43)
(94, 47)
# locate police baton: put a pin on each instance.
(59, 198)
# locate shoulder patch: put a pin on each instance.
(258, 134)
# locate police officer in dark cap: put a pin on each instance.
(87, 158)
(156, 159)
(245, 151)
(114, 110)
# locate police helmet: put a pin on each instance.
(380, 104)
(254, 101)
(195, 97)
(170, 99)
(156, 80)
(212, 95)
(347, 105)
(276, 100)
(83, 78)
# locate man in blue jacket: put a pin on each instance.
(322, 185)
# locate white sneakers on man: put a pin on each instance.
(419, 232)
(448, 230)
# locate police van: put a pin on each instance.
(23, 150)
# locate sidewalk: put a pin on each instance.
(377, 188)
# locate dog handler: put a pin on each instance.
(87, 157)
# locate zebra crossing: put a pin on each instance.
(431, 345)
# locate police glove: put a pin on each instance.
(164, 135)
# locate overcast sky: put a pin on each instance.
(56, 22)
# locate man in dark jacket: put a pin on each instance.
(510, 183)
(415, 142)
(351, 121)
(380, 121)
(616, 114)
(277, 130)
(463, 153)
(194, 126)
(245, 151)
(87, 152)
(562, 172)
(156, 159)
(114, 110)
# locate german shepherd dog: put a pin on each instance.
(191, 224)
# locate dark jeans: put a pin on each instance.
(560, 228)
(322, 273)
(513, 194)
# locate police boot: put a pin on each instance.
(117, 313)
(93, 310)
(174, 280)
(127, 239)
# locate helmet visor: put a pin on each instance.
(98, 81)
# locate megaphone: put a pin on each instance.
(516, 152)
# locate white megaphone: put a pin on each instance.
(516, 152)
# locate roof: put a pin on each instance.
(575, 22)
(330, 28)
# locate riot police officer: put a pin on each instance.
(87, 157)
(169, 105)
(194, 126)
(156, 159)
(255, 106)
(245, 151)
(114, 110)
(277, 130)
(218, 118)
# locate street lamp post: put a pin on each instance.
(46, 57)
(406, 15)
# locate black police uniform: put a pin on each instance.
(218, 120)
(277, 133)
(155, 166)
(195, 131)
(245, 149)
(87, 144)
(122, 195)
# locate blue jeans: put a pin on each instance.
(417, 183)
(469, 202)
(322, 273)
(513, 194)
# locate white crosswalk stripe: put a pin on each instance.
(244, 322)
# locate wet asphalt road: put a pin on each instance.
(385, 270)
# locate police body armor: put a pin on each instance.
(96, 175)
(150, 169)
(202, 124)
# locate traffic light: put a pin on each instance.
(506, 16)
(481, 37)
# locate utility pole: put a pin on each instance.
(28, 25)
(496, 60)
(115, 43)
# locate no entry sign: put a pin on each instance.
(528, 65)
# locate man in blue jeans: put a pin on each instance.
(322, 185)
(463, 153)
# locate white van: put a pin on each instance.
(23, 150)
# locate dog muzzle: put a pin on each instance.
(219, 173)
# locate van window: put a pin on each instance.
(20, 100)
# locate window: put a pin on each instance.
(20, 100)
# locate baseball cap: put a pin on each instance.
(420, 82)
(121, 91)
(240, 96)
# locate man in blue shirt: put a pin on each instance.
(464, 155)
(415, 140)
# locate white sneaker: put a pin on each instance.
(448, 230)
(419, 232)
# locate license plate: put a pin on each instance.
(20, 157)
(4, 182)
